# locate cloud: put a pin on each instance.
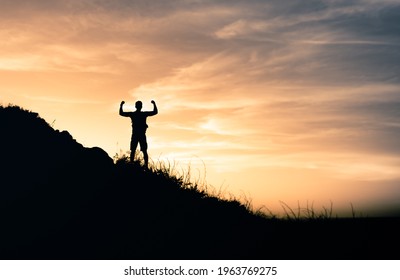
(324, 40)
(239, 28)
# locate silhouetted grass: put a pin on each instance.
(183, 180)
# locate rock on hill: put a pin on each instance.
(60, 200)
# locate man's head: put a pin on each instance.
(138, 105)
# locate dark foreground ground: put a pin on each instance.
(59, 200)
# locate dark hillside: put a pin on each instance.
(60, 200)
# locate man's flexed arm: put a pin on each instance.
(155, 109)
(121, 112)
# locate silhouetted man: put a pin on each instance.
(139, 127)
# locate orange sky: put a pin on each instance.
(292, 102)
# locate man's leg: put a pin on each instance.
(143, 148)
(134, 143)
(146, 159)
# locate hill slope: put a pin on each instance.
(60, 200)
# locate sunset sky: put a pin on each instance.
(293, 101)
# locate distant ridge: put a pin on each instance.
(60, 200)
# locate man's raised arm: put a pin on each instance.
(121, 112)
(155, 109)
